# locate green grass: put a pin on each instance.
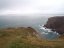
(2, 34)
(22, 44)
(24, 38)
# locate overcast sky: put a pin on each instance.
(31, 7)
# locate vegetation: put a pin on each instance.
(26, 38)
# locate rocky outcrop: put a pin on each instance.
(56, 24)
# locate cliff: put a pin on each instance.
(56, 24)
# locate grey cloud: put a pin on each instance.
(11, 3)
(33, 5)
(3, 4)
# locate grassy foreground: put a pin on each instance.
(26, 38)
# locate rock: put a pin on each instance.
(56, 24)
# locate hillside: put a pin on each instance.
(22, 37)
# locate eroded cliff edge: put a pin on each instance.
(56, 23)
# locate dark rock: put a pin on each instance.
(56, 24)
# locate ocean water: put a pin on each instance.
(47, 33)
(21, 21)
(27, 21)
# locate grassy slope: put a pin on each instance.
(25, 38)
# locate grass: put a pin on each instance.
(25, 38)
(2, 34)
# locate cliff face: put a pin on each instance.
(56, 24)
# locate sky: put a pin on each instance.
(31, 7)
